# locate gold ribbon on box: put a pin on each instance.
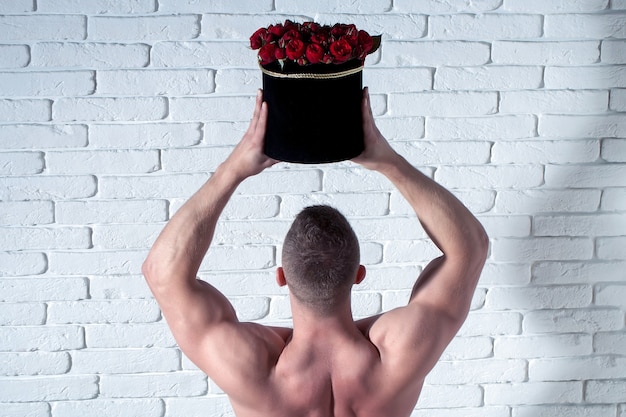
(310, 75)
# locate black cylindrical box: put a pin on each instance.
(314, 112)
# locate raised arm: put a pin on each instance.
(202, 320)
(442, 295)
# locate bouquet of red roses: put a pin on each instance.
(311, 43)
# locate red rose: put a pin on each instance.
(341, 51)
(295, 49)
(289, 36)
(314, 53)
(258, 38)
(280, 53)
(365, 45)
(267, 53)
(320, 38)
(277, 30)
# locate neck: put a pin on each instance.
(310, 325)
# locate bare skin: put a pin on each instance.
(326, 365)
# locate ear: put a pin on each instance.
(360, 274)
(280, 277)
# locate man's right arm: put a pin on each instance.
(441, 297)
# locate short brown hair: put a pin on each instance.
(320, 257)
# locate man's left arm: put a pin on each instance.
(201, 318)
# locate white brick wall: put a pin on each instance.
(112, 113)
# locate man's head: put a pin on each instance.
(320, 258)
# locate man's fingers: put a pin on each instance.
(257, 112)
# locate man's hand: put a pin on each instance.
(248, 159)
(377, 153)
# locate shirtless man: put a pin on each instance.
(329, 364)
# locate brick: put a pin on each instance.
(26, 213)
(605, 391)
(501, 176)
(221, 258)
(48, 388)
(119, 286)
(48, 187)
(576, 272)
(586, 26)
(544, 201)
(564, 369)
(144, 407)
(402, 251)
(545, 53)
(211, 108)
(125, 236)
(443, 104)
(32, 84)
(529, 393)
(45, 338)
(17, 6)
(554, 101)
(332, 6)
(21, 163)
(145, 28)
(215, 6)
(610, 295)
(43, 27)
(33, 136)
(202, 54)
(564, 411)
(282, 182)
(102, 162)
(110, 109)
(612, 51)
(440, 396)
(124, 361)
(114, 311)
(14, 56)
(555, 6)
(545, 152)
(96, 262)
(618, 5)
(194, 159)
(611, 247)
(350, 204)
(541, 248)
(434, 53)
(466, 348)
(573, 321)
(454, 6)
(614, 150)
(156, 82)
(504, 274)
(28, 238)
(506, 226)
(183, 384)
(551, 297)
(237, 81)
(151, 186)
(478, 201)
(485, 26)
(399, 128)
(613, 198)
(89, 212)
(585, 176)
(34, 363)
(16, 111)
(97, 6)
(579, 225)
(488, 78)
(484, 128)
(400, 80)
(26, 409)
(478, 371)
(89, 55)
(610, 343)
(618, 100)
(251, 308)
(251, 233)
(22, 314)
(386, 278)
(129, 336)
(576, 78)
(552, 346)
(354, 179)
(22, 263)
(145, 136)
(388, 229)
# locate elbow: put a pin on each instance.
(482, 243)
(150, 271)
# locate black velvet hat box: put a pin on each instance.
(314, 112)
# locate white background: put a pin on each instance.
(112, 113)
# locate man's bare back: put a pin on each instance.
(328, 365)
